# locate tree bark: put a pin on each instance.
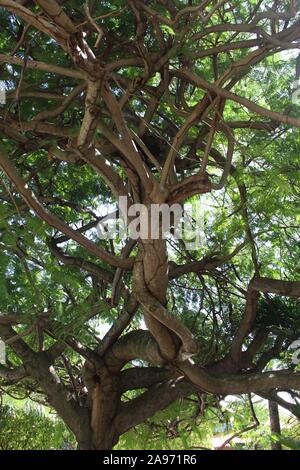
(274, 424)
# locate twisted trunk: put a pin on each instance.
(150, 283)
(153, 282)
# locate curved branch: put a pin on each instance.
(199, 81)
(54, 221)
(45, 67)
(157, 398)
(12, 375)
(257, 285)
(80, 263)
(58, 16)
(38, 22)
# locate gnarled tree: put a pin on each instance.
(159, 102)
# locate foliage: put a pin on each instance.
(149, 68)
(27, 428)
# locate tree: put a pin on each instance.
(159, 102)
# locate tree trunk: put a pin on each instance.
(106, 443)
(150, 281)
(103, 400)
(274, 423)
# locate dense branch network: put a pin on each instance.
(135, 107)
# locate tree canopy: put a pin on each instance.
(159, 102)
